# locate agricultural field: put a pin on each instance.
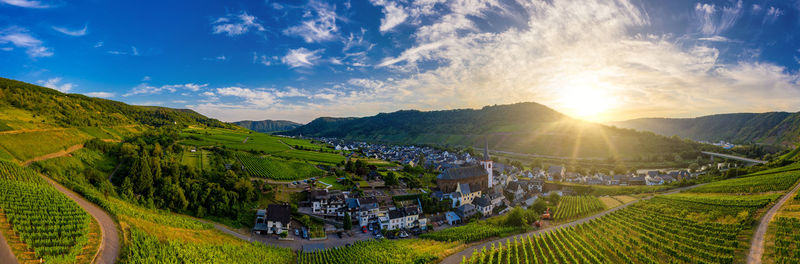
(277, 169)
(474, 231)
(145, 248)
(602, 190)
(233, 139)
(762, 183)
(785, 246)
(651, 231)
(320, 157)
(42, 220)
(199, 159)
(305, 144)
(30, 144)
(383, 251)
(572, 207)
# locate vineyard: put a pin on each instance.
(277, 169)
(54, 227)
(472, 232)
(382, 251)
(787, 240)
(311, 156)
(145, 248)
(641, 233)
(754, 184)
(571, 207)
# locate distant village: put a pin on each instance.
(467, 187)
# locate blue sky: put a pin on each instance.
(597, 60)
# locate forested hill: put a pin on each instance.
(523, 128)
(268, 126)
(27, 102)
(769, 128)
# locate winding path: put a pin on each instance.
(467, 252)
(757, 243)
(6, 255)
(109, 248)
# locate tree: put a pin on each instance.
(539, 206)
(348, 222)
(553, 198)
(390, 179)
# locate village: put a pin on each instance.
(468, 188)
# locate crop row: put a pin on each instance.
(755, 184)
(278, 169)
(570, 207)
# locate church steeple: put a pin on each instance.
(486, 150)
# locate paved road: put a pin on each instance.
(456, 258)
(757, 243)
(6, 255)
(109, 245)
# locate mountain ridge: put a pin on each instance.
(267, 126)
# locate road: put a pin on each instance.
(54, 154)
(109, 245)
(456, 258)
(757, 243)
(6, 255)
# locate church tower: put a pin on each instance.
(487, 162)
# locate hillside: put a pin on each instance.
(27, 106)
(36, 121)
(769, 128)
(268, 126)
(523, 128)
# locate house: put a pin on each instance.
(654, 180)
(516, 191)
(466, 211)
(327, 203)
(536, 185)
(556, 173)
(402, 218)
(368, 211)
(483, 205)
(496, 198)
(261, 222)
(278, 218)
(464, 195)
(452, 218)
(637, 180)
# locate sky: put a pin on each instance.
(599, 60)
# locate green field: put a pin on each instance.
(571, 207)
(277, 169)
(383, 251)
(754, 184)
(233, 139)
(311, 156)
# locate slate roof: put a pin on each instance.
(465, 188)
(462, 173)
(482, 201)
(279, 213)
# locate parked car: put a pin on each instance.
(371, 228)
(297, 232)
(403, 234)
(339, 234)
(364, 229)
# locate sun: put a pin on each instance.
(589, 101)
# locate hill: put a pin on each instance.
(523, 128)
(268, 126)
(26, 105)
(778, 128)
(36, 121)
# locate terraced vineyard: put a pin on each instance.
(652, 231)
(787, 240)
(472, 232)
(51, 225)
(754, 184)
(381, 251)
(571, 207)
(311, 156)
(278, 169)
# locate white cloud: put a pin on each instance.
(21, 38)
(145, 78)
(145, 88)
(319, 26)
(301, 57)
(254, 97)
(134, 51)
(73, 32)
(568, 51)
(713, 20)
(100, 94)
(26, 3)
(772, 14)
(716, 39)
(234, 25)
(55, 83)
(394, 14)
(264, 59)
(98, 44)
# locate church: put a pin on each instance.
(479, 177)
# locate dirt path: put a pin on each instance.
(54, 154)
(109, 248)
(757, 243)
(6, 255)
(20, 131)
(467, 252)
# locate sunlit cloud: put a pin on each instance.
(55, 83)
(22, 38)
(236, 24)
(73, 32)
